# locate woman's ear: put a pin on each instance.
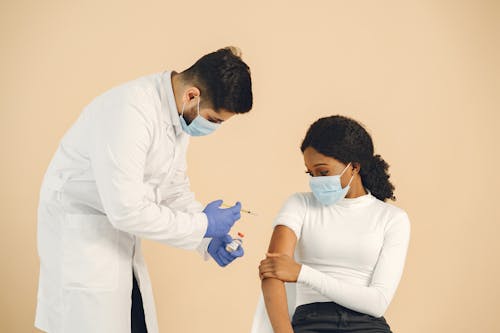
(356, 167)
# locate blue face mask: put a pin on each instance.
(328, 189)
(199, 126)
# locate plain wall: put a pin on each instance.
(423, 76)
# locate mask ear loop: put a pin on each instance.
(184, 106)
(350, 181)
(352, 177)
(345, 169)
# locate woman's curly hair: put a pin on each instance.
(346, 140)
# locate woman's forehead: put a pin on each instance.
(313, 158)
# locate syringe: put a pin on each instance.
(241, 210)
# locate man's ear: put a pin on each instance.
(190, 94)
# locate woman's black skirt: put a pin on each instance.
(333, 318)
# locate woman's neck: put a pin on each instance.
(357, 189)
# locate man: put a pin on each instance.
(119, 175)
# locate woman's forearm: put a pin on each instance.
(276, 305)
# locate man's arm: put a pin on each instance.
(176, 192)
(177, 195)
(122, 128)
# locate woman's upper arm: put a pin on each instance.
(283, 241)
(288, 225)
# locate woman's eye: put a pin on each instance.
(309, 173)
(323, 173)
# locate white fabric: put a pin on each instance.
(118, 175)
(352, 252)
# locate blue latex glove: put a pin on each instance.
(220, 220)
(217, 249)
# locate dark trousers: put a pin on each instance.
(138, 323)
(333, 318)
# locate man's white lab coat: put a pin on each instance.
(119, 174)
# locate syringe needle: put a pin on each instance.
(241, 210)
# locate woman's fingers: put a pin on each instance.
(266, 268)
(270, 263)
(270, 267)
(269, 275)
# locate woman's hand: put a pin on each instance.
(279, 266)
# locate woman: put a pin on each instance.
(349, 245)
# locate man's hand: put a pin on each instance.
(217, 249)
(220, 220)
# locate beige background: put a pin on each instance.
(423, 76)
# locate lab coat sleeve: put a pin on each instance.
(178, 195)
(374, 298)
(122, 129)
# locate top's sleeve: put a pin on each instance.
(120, 137)
(374, 298)
(292, 214)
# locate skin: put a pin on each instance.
(189, 94)
(279, 265)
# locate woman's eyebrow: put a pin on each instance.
(315, 165)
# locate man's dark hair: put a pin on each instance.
(224, 79)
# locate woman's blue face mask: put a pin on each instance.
(199, 126)
(328, 189)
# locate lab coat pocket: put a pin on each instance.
(90, 257)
